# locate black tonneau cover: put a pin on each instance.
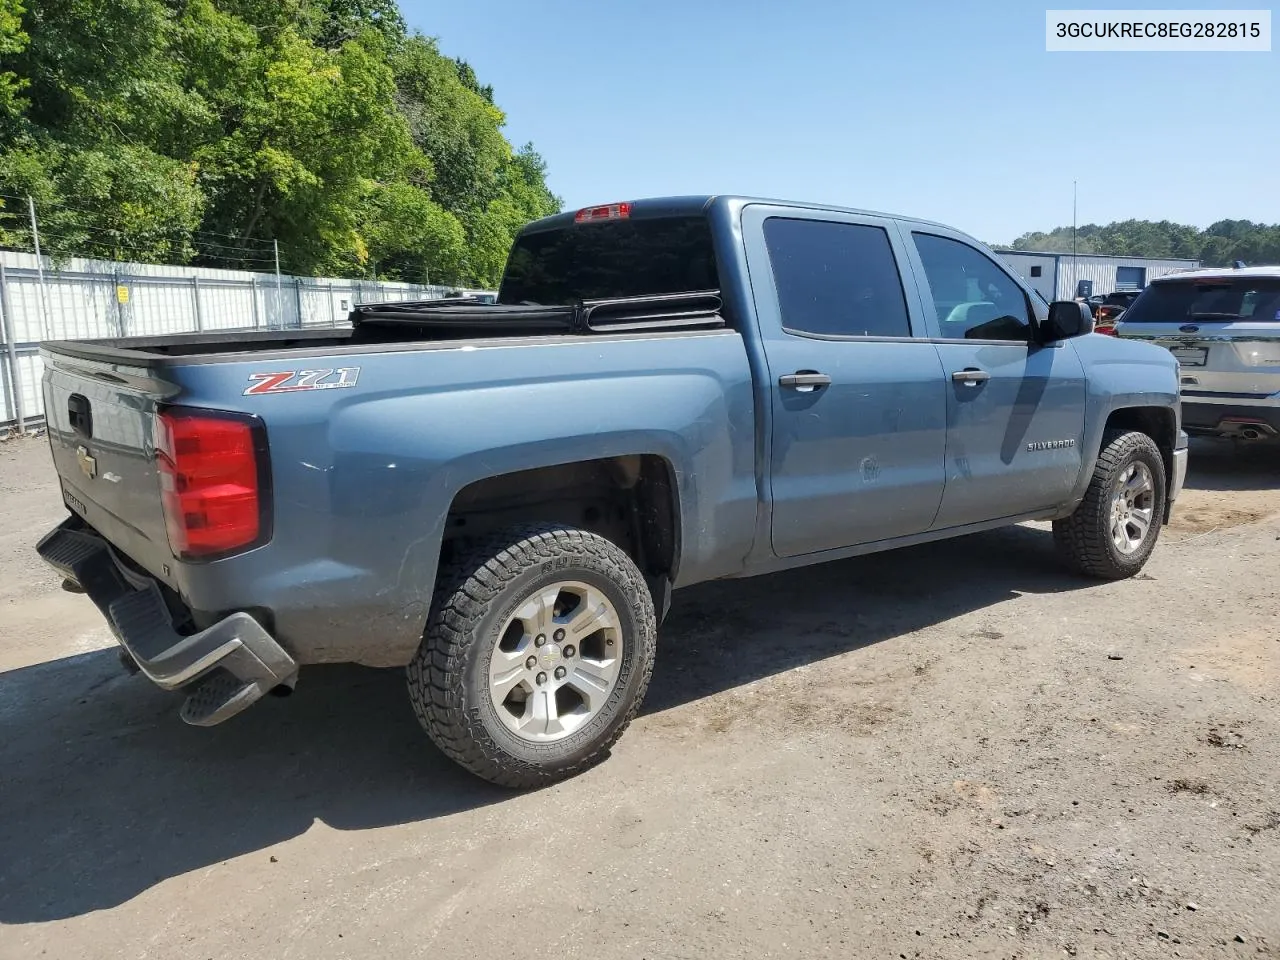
(700, 308)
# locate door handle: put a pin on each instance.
(806, 381)
(970, 378)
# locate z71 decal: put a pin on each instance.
(293, 381)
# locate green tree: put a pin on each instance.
(13, 40)
(90, 147)
(199, 130)
(469, 80)
(491, 189)
(130, 203)
(301, 135)
(1217, 245)
(338, 21)
(411, 237)
(452, 124)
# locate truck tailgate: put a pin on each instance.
(101, 422)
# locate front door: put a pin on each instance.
(858, 404)
(1015, 408)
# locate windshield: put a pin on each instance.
(1225, 299)
(617, 258)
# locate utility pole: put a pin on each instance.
(1075, 264)
(275, 245)
(47, 324)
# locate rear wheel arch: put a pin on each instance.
(632, 500)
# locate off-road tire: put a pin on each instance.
(1084, 538)
(474, 596)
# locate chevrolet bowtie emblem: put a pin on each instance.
(87, 463)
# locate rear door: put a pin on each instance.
(857, 395)
(1224, 332)
(1015, 408)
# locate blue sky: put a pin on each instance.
(944, 110)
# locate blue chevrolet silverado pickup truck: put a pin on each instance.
(501, 497)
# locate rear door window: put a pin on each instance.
(836, 279)
(1217, 300)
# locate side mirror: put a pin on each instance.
(1067, 319)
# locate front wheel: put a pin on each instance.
(536, 655)
(1114, 529)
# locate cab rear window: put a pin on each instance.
(1219, 300)
(616, 258)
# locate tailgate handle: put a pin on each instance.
(80, 416)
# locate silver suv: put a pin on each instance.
(1223, 326)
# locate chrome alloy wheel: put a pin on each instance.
(1133, 508)
(556, 661)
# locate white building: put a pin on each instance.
(1059, 276)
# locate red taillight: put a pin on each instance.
(1106, 329)
(210, 484)
(610, 211)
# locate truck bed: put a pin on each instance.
(188, 346)
(362, 476)
(379, 326)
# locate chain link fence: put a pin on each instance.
(89, 299)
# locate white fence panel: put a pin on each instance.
(84, 299)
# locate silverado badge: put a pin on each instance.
(1050, 444)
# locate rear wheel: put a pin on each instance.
(1115, 528)
(536, 655)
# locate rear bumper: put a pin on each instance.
(223, 669)
(1247, 421)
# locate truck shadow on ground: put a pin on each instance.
(104, 793)
(725, 634)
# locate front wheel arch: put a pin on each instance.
(1158, 423)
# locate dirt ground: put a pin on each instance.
(947, 751)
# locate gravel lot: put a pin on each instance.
(947, 751)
